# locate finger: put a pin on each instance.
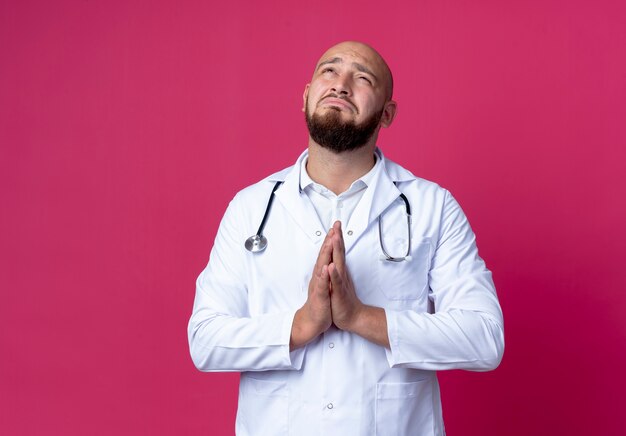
(323, 284)
(325, 255)
(339, 230)
(335, 277)
(339, 254)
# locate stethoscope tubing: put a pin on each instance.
(259, 232)
(387, 256)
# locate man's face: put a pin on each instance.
(348, 98)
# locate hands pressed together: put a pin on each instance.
(332, 299)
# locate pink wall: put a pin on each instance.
(126, 127)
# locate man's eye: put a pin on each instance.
(365, 79)
(328, 70)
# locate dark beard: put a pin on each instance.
(332, 133)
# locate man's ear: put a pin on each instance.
(304, 96)
(389, 113)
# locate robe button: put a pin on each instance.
(330, 405)
(318, 233)
(350, 232)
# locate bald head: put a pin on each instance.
(372, 61)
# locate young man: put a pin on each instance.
(341, 331)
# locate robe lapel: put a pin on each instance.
(298, 205)
(372, 204)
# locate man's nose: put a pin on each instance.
(342, 86)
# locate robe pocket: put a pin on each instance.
(404, 408)
(408, 279)
(263, 407)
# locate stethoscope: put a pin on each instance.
(258, 242)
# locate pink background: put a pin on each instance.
(126, 127)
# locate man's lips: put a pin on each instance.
(334, 101)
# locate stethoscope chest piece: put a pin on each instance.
(256, 243)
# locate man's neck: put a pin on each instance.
(337, 171)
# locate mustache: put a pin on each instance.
(339, 97)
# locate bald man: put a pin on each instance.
(360, 282)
